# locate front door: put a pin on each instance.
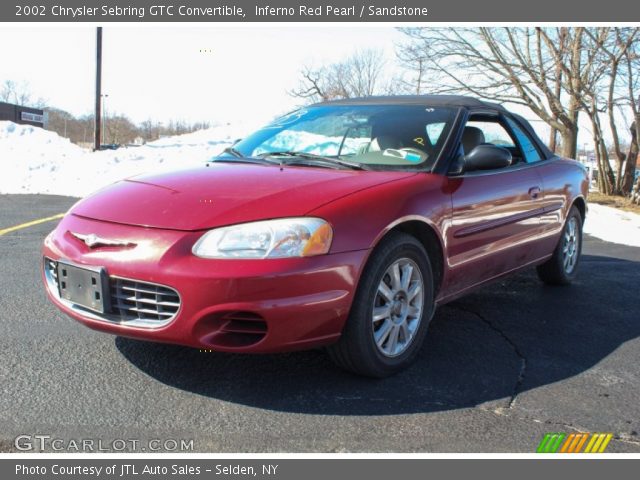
(495, 219)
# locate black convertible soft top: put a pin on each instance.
(427, 100)
(459, 101)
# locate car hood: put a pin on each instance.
(224, 194)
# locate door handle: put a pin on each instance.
(534, 192)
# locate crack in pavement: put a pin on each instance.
(625, 438)
(620, 436)
(514, 347)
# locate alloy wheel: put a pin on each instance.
(571, 245)
(397, 308)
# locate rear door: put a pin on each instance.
(496, 214)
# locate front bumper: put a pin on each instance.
(255, 306)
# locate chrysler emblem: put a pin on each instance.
(92, 240)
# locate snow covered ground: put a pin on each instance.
(613, 225)
(34, 160)
(38, 161)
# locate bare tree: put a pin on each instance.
(20, 94)
(632, 65)
(119, 129)
(562, 37)
(603, 89)
(524, 66)
(556, 72)
(589, 89)
(411, 58)
(357, 76)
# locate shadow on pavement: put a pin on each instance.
(511, 336)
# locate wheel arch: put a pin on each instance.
(581, 205)
(428, 236)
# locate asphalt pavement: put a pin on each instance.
(500, 368)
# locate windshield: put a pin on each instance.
(387, 136)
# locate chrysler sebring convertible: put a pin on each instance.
(340, 225)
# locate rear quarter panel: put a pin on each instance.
(564, 181)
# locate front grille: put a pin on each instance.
(132, 302)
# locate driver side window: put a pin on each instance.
(493, 132)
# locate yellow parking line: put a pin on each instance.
(31, 223)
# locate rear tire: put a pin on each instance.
(391, 310)
(561, 268)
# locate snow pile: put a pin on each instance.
(613, 225)
(34, 160)
(307, 142)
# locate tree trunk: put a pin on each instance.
(630, 165)
(606, 178)
(603, 186)
(569, 134)
(569, 137)
(608, 171)
(617, 188)
(553, 140)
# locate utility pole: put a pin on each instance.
(98, 114)
(104, 117)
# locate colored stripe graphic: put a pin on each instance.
(570, 443)
(562, 443)
(550, 442)
(594, 443)
(605, 442)
(598, 443)
(581, 443)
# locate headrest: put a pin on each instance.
(471, 138)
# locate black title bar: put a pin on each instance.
(313, 469)
(425, 11)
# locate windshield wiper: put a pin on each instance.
(241, 158)
(233, 151)
(315, 158)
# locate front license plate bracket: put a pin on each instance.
(86, 287)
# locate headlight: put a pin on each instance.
(287, 237)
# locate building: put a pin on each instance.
(23, 115)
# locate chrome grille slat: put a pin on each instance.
(145, 310)
(158, 291)
(142, 300)
(145, 300)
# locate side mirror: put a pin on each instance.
(487, 157)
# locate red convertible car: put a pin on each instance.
(343, 224)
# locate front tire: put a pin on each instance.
(391, 310)
(561, 268)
